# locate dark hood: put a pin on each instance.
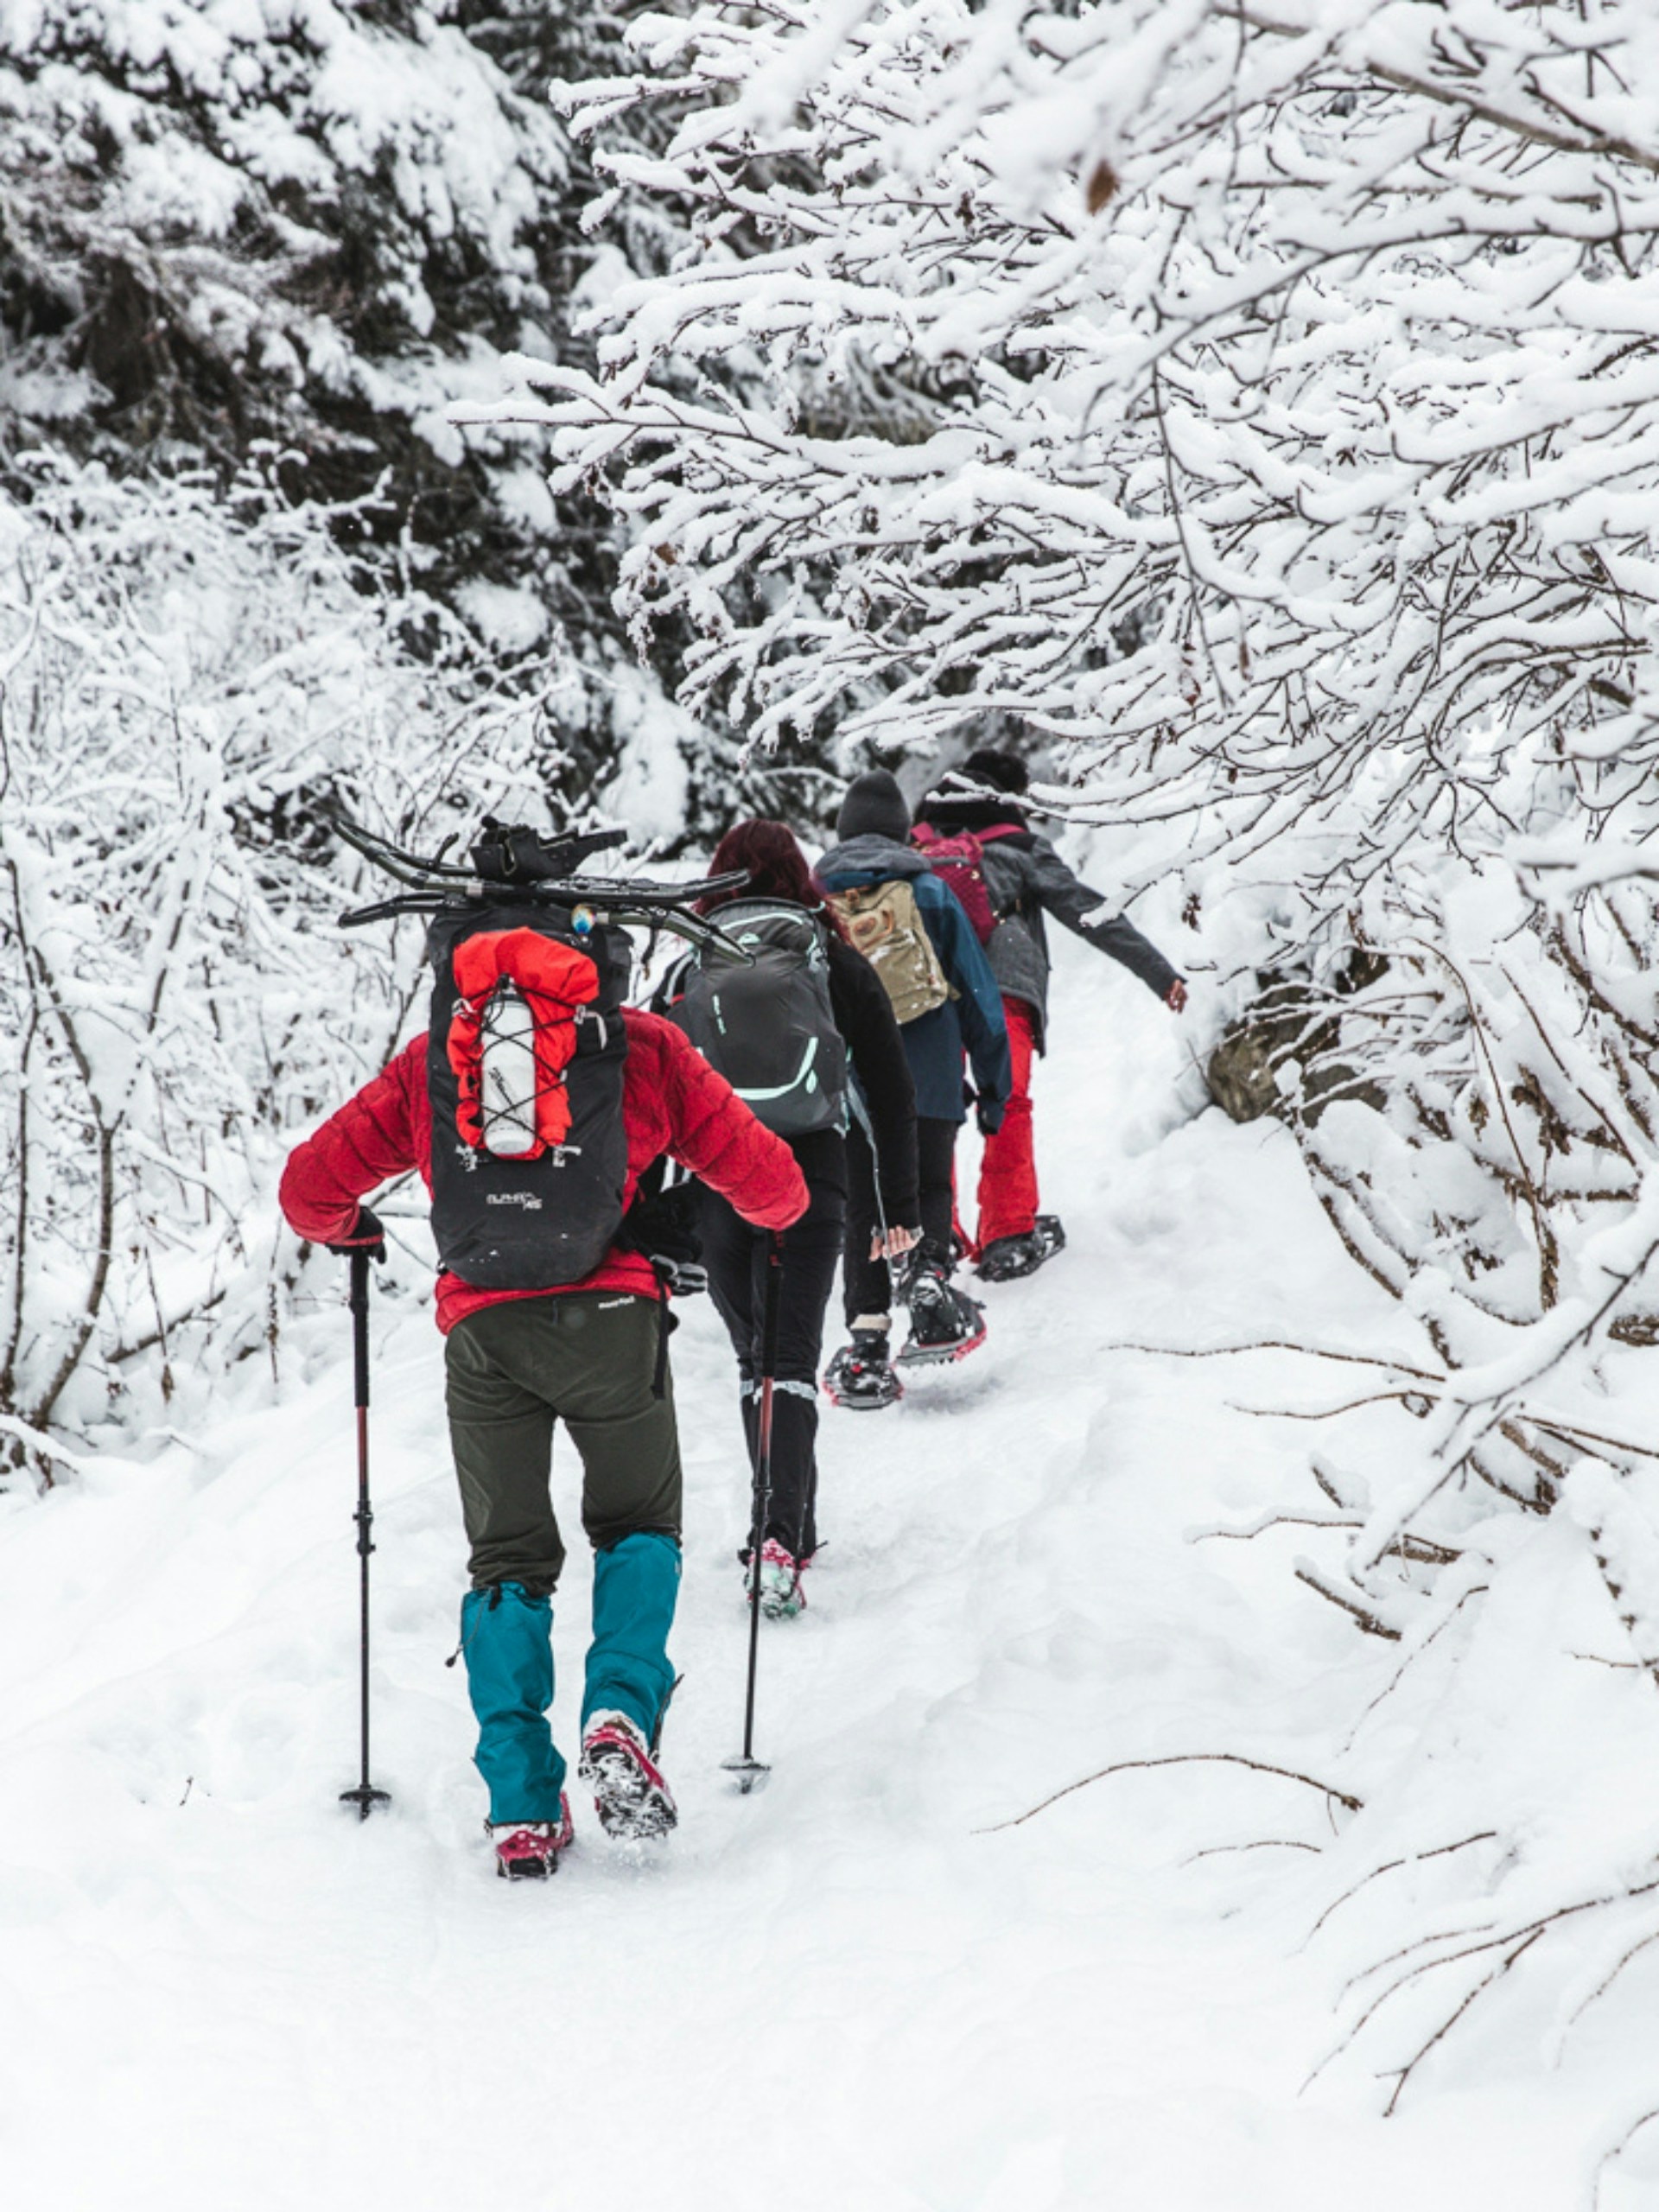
(874, 856)
(951, 816)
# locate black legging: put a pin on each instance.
(866, 1286)
(737, 1258)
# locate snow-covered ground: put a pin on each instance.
(217, 1989)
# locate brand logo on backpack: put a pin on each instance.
(525, 1068)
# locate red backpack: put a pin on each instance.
(958, 860)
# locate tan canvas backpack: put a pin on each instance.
(884, 923)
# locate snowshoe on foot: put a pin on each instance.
(860, 1375)
(1007, 1258)
(630, 1795)
(530, 1850)
(781, 1594)
(944, 1322)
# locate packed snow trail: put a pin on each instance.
(217, 1988)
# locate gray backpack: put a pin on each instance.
(767, 1026)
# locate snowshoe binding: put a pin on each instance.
(1005, 1259)
(530, 1850)
(630, 1795)
(781, 1594)
(945, 1324)
(860, 1375)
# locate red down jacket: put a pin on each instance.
(672, 1102)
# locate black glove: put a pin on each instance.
(665, 1228)
(365, 1235)
(988, 1114)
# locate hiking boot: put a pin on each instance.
(781, 1594)
(860, 1375)
(944, 1322)
(530, 1850)
(1053, 1235)
(630, 1795)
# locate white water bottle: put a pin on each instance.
(508, 1074)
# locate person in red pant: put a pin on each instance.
(1024, 879)
(592, 1354)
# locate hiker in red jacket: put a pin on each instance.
(593, 1355)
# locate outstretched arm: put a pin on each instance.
(1070, 901)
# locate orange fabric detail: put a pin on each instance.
(555, 979)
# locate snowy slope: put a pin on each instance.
(216, 1989)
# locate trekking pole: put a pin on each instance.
(750, 1771)
(365, 1796)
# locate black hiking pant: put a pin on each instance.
(866, 1285)
(738, 1256)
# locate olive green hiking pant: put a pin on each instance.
(586, 1357)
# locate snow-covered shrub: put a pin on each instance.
(1277, 440)
(1277, 443)
(315, 225)
(184, 681)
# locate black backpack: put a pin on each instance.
(527, 1048)
(525, 1058)
(767, 1024)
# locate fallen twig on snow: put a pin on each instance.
(1278, 1343)
(1178, 1758)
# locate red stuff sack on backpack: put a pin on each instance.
(525, 1058)
(959, 861)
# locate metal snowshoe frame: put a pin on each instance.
(512, 865)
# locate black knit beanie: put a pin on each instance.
(874, 806)
(1004, 772)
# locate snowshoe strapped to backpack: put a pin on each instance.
(768, 1026)
(884, 923)
(525, 1058)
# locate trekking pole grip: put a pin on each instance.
(359, 1305)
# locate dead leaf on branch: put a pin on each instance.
(1102, 188)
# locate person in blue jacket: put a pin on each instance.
(874, 831)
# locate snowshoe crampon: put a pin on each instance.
(632, 1800)
(530, 1850)
(781, 1594)
(945, 1324)
(1005, 1259)
(861, 1376)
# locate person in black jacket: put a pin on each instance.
(737, 1256)
(1025, 878)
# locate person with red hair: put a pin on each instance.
(780, 913)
